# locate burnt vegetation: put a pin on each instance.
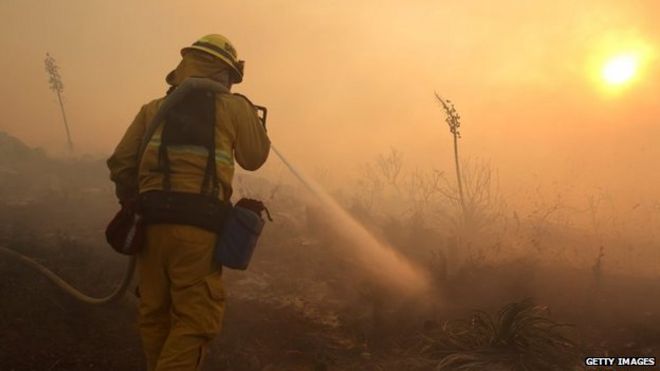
(511, 289)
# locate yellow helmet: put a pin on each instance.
(219, 46)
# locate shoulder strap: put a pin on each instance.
(211, 165)
(174, 97)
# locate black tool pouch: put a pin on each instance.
(240, 233)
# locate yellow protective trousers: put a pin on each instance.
(181, 296)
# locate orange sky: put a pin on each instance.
(345, 82)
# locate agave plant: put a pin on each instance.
(520, 337)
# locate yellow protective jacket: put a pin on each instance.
(239, 136)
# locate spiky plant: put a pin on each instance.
(56, 85)
(520, 337)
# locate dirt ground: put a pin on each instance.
(309, 320)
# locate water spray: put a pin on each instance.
(380, 260)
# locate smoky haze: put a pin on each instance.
(345, 81)
(373, 259)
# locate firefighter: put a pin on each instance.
(181, 184)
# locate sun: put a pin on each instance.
(620, 69)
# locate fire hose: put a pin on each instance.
(116, 294)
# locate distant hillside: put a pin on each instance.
(13, 150)
(28, 173)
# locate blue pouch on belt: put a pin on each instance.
(240, 233)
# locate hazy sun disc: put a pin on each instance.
(620, 69)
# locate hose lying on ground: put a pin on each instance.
(66, 287)
(181, 91)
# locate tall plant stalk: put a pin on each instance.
(454, 121)
(56, 85)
